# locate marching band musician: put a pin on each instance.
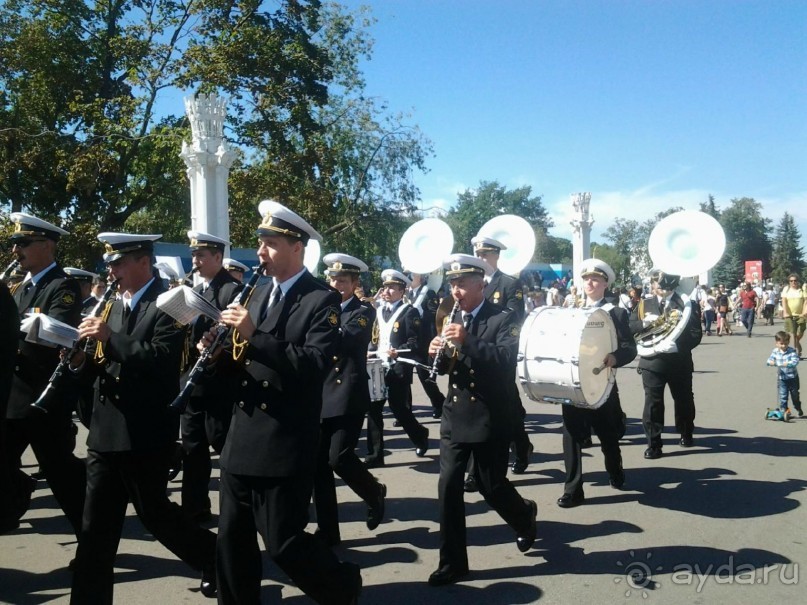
(135, 367)
(285, 340)
(477, 418)
(206, 419)
(345, 401)
(426, 302)
(85, 281)
(507, 291)
(397, 326)
(671, 363)
(236, 269)
(46, 289)
(607, 420)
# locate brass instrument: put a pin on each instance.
(685, 243)
(519, 237)
(438, 358)
(198, 371)
(423, 247)
(61, 368)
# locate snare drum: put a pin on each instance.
(558, 352)
(378, 386)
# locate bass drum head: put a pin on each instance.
(597, 340)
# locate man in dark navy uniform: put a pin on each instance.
(135, 370)
(283, 346)
(45, 289)
(607, 421)
(477, 419)
(397, 326)
(669, 363)
(345, 401)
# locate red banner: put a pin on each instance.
(753, 271)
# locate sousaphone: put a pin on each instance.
(686, 244)
(519, 237)
(423, 247)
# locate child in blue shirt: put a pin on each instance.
(785, 358)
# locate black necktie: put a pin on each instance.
(127, 311)
(469, 318)
(661, 306)
(273, 298)
(386, 313)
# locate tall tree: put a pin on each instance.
(787, 256)
(81, 81)
(551, 249)
(747, 238)
(710, 207)
(475, 207)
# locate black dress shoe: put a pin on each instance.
(521, 463)
(586, 443)
(353, 571)
(422, 444)
(375, 512)
(374, 462)
(525, 541)
(470, 485)
(208, 586)
(686, 441)
(652, 453)
(437, 414)
(618, 480)
(446, 575)
(571, 500)
(202, 516)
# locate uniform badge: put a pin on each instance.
(362, 321)
(514, 330)
(395, 326)
(417, 323)
(333, 318)
(519, 295)
(179, 325)
(68, 298)
(496, 296)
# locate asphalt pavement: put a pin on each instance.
(721, 522)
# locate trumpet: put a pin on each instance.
(198, 370)
(60, 371)
(438, 358)
(9, 270)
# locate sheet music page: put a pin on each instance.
(42, 329)
(185, 305)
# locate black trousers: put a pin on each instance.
(52, 437)
(113, 480)
(607, 423)
(337, 454)
(202, 426)
(398, 395)
(277, 508)
(491, 476)
(680, 383)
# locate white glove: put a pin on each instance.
(666, 347)
(649, 319)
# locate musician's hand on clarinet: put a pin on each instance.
(435, 345)
(455, 333)
(236, 316)
(95, 328)
(205, 341)
(76, 361)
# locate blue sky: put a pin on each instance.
(646, 104)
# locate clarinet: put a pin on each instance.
(9, 270)
(61, 368)
(198, 371)
(438, 358)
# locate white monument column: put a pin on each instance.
(208, 159)
(581, 232)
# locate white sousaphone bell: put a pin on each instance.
(519, 237)
(686, 244)
(423, 247)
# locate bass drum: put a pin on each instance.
(560, 354)
(378, 386)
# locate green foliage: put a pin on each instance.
(629, 239)
(746, 231)
(618, 260)
(475, 207)
(80, 143)
(787, 256)
(551, 249)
